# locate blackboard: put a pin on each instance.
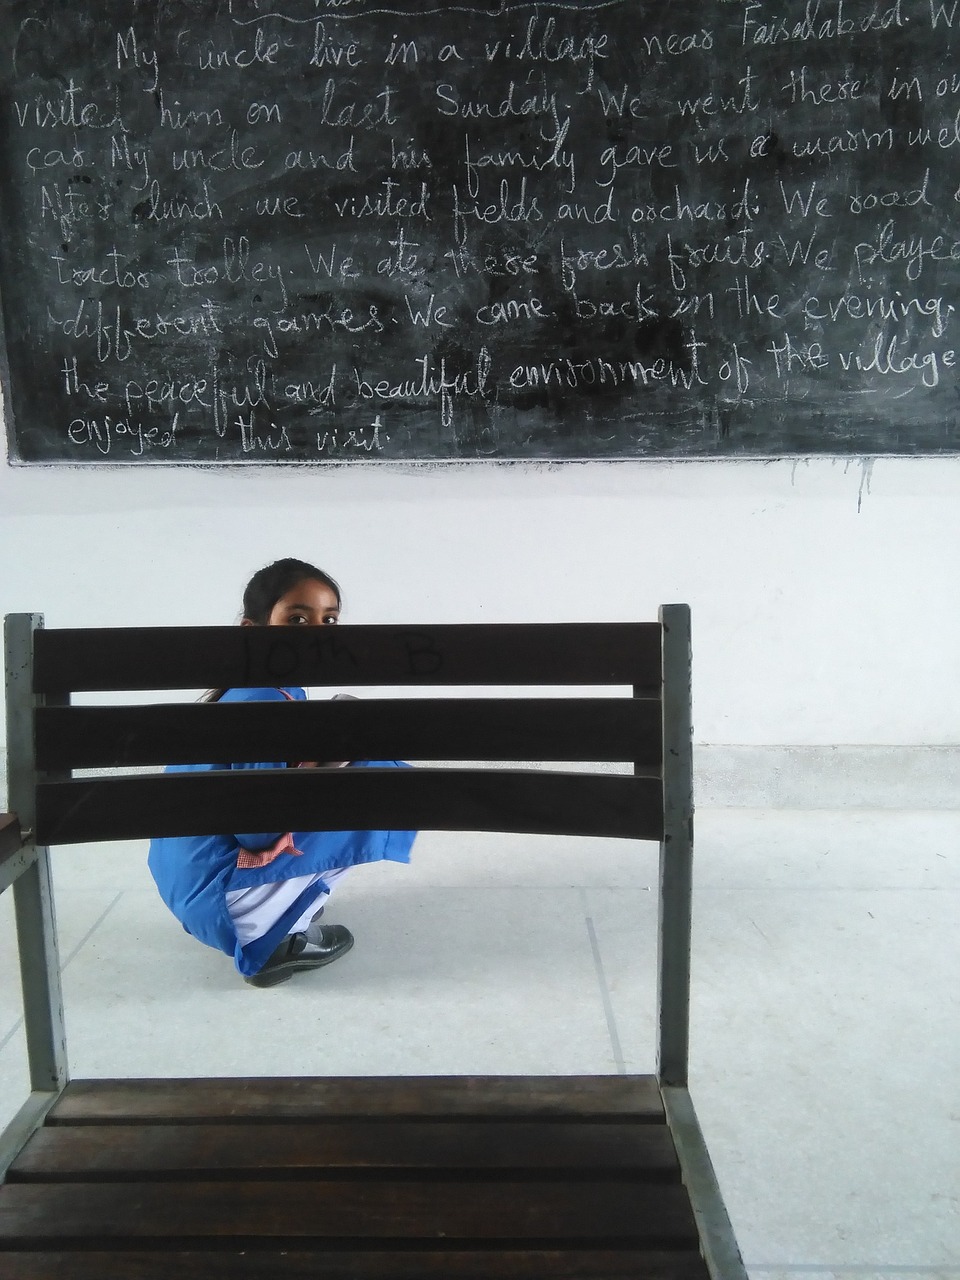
(311, 231)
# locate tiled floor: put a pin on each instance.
(825, 1024)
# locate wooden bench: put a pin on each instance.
(369, 1179)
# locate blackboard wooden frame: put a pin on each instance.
(327, 232)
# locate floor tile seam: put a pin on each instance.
(826, 888)
(864, 1268)
(538, 886)
(11, 1033)
(93, 928)
(86, 937)
(500, 887)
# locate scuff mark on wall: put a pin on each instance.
(866, 475)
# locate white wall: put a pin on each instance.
(824, 593)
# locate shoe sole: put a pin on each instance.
(283, 972)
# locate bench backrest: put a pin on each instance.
(633, 707)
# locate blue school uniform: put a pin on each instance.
(195, 873)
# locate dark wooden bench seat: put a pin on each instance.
(360, 1178)
(514, 1169)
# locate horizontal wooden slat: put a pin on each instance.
(74, 660)
(613, 1212)
(368, 1264)
(596, 729)
(292, 1099)
(311, 1149)
(516, 800)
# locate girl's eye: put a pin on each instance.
(330, 620)
(296, 619)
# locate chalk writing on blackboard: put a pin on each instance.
(332, 231)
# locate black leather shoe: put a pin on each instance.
(322, 944)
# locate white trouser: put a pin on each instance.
(255, 911)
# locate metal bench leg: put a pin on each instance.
(33, 902)
(676, 850)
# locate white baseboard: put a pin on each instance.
(839, 777)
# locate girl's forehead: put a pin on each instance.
(309, 591)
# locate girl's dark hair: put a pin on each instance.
(274, 580)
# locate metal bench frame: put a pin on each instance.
(25, 867)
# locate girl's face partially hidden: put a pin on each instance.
(307, 604)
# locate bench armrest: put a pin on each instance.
(10, 836)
